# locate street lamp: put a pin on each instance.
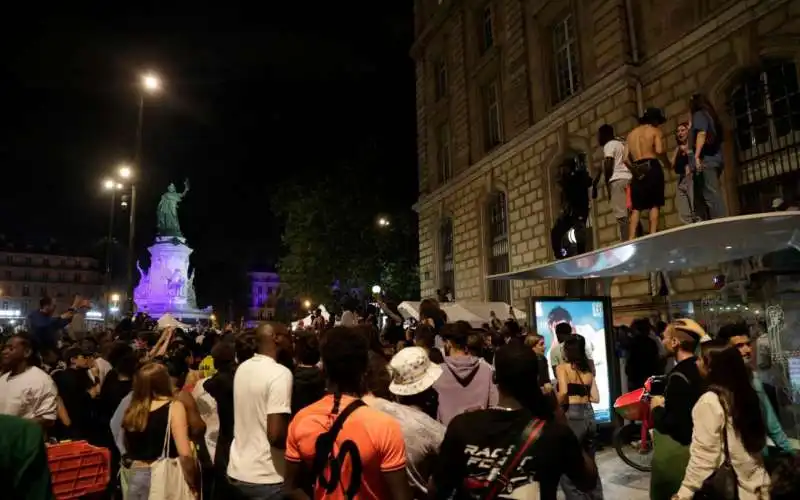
(112, 186)
(376, 289)
(150, 83)
(114, 297)
(307, 304)
(383, 222)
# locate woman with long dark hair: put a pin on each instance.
(730, 410)
(577, 390)
(705, 153)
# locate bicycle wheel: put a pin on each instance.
(627, 442)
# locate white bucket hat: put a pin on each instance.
(412, 372)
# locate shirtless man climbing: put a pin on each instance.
(647, 155)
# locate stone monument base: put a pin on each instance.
(168, 287)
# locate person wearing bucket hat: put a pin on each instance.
(412, 372)
(413, 375)
(647, 154)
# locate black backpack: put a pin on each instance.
(324, 456)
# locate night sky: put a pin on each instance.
(252, 99)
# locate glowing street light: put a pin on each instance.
(114, 297)
(108, 184)
(125, 172)
(213, 317)
(376, 289)
(307, 304)
(383, 222)
(151, 83)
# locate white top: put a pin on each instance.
(116, 423)
(616, 149)
(349, 319)
(31, 394)
(707, 453)
(103, 367)
(261, 387)
(207, 407)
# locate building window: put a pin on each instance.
(487, 29)
(10, 259)
(8, 275)
(499, 290)
(440, 75)
(26, 276)
(491, 110)
(448, 262)
(43, 292)
(765, 106)
(27, 261)
(445, 154)
(26, 291)
(5, 305)
(46, 262)
(77, 277)
(565, 57)
(45, 276)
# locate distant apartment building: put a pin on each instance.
(28, 274)
(509, 91)
(264, 288)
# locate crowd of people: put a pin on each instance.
(439, 410)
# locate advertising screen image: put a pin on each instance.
(588, 319)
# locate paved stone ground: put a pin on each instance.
(620, 481)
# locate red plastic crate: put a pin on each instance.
(78, 468)
(630, 405)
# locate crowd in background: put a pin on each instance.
(343, 409)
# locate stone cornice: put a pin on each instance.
(609, 84)
(705, 36)
(432, 27)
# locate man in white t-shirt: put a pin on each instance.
(262, 396)
(617, 175)
(25, 390)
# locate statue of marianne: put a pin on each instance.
(168, 224)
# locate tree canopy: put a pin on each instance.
(332, 239)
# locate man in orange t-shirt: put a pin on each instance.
(380, 452)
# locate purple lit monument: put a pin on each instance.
(168, 287)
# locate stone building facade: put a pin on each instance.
(28, 274)
(508, 90)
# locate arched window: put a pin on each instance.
(499, 290)
(446, 255)
(765, 106)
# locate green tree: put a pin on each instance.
(330, 235)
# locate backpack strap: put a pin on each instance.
(530, 434)
(324, 455)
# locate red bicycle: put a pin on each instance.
(633, 441)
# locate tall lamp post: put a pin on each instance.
(112, 186)
(150, 84)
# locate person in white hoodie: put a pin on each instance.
(726, 427)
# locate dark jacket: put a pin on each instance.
(684, 388)
(44, 329)
(308, 387)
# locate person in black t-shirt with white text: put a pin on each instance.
(476, 444)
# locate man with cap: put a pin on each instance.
(647, 156)
(672, 413)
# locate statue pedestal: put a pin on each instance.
(168, 287)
